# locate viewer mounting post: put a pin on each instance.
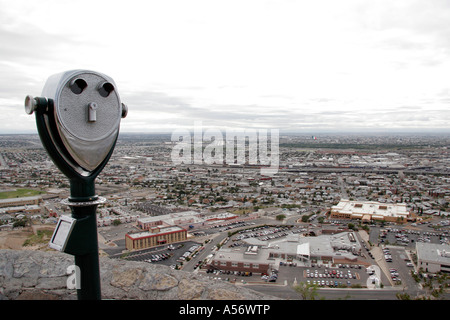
(78, 119)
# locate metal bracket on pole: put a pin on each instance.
(69, 203)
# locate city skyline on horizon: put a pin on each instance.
(304, 132)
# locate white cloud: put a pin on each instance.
(281, 64)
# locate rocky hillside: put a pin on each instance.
(37, 275)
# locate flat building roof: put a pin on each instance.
(360, 208)
(432, 252)
(161, 231)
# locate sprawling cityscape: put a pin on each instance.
(345, 216)
(225, 157)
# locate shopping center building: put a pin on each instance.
(367, 211)
(258, 256)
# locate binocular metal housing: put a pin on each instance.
(81, 113)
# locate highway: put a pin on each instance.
(366, 170)
(287, 292)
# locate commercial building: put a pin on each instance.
(252, 259)
(109, 220)
(154, 237)
(367, 211)
(262, 256)
(342, 247)
(433, 257)
(185, 219)
(107, 216)
(16, 209)
(23, 201)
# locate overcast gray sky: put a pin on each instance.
(288, 65)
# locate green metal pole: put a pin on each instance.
(88, 263)
(83, 202)
(84, 241)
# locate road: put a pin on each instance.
(341, 185)
(287, 292)
(189, 266)
(366, 170)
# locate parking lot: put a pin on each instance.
(324, 276)
(169, 255)
(398, 266)
(342, 276)
(409, 237)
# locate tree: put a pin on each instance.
(20, 223)
(307, 291)
(351, 226)
(280, 217)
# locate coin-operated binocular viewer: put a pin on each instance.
(78, 119)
